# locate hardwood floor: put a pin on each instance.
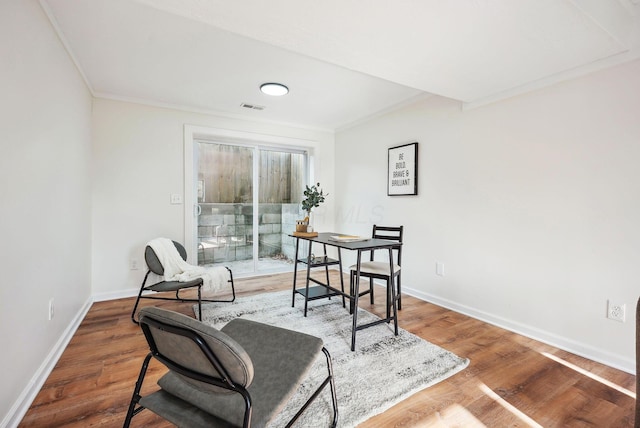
(512, 381)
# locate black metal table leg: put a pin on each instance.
(295, 273)
(326, 270)
(341, 278)
(306, 294)
(355, 303)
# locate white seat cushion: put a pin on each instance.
(378, 268)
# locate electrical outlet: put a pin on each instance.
(51, 312)
(616, 311)
(133, 264)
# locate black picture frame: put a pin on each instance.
(403, 170)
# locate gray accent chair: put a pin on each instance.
(380, 270)
(154, 265)
(241, 375)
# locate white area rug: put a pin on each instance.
(382, 371)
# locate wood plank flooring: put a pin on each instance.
(512, 381)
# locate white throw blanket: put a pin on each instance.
(176, 269)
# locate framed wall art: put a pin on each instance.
(403, 170)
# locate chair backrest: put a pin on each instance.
(200, 354)
(153, 262)
(391, 233)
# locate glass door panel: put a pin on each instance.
(225, 200)
(282, 176)
(230, 231)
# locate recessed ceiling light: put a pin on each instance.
(275, 89)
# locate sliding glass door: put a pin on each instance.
(248, 200)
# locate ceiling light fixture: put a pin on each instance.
(274, 89)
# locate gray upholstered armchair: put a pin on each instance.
(155, 266)
(241, 375)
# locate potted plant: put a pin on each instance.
(314, 196)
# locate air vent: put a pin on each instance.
(252, 106)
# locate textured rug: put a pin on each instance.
(382, 371)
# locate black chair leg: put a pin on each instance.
(135, 398)
(135, 306)
(328, 380)
(388, 301)
(332, 386)
(233, 291)
(233, 287)
(352, 288)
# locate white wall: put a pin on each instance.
(45, 134)
(138, 154)
(531, 204)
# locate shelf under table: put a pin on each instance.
(320, 261)
(317, 292)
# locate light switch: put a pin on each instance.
(439, 269)
(176, 199)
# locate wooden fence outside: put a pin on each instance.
(226, 175)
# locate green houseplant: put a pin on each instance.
(314, 196)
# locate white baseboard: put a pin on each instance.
(587, 351)
(612, 360)
(22, 404)
(114, 295)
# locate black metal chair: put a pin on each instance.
(241, 375)
(154, 265)
(380, 269)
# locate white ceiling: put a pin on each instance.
(343, 60)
